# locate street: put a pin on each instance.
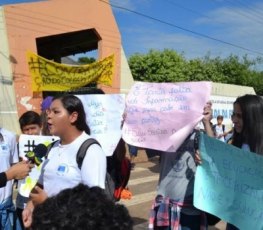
(142, 184)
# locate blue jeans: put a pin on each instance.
(8, 218)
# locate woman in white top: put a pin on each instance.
(67, 120)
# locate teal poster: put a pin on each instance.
(229, 184)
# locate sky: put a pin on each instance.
(7, 2)
(192, 27)
(195, 28)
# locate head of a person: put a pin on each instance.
(247, 118)
(30, 123)
(66, 111)
(219, 119)
(81, 208)
(45, 105)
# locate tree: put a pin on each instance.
(86, 60)
(158, 66)
(169, 66)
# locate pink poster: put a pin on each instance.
(161, 115)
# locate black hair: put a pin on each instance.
(220, 117)
(29, 118)
(252, 115)
(81, 208)
(73, 104)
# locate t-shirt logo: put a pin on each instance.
(179, 166)
(62, 169)
(4, 147)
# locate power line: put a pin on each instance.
(195, 12)
(187, 9)
(181, 28)
(248, 16)
(247, 7)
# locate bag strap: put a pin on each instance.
(49, 147)
(83, 149)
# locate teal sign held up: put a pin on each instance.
(229, 184)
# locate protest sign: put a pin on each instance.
(161, 115)
(229, 184)
(104, 116)
(27, 143)
(51, 76)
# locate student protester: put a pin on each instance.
(17, 171)
(67, 120)
(173, 207)
(248, 127)
(30, 124)
(8, 156)
(219, 129)
(80, 208)
(45, 105)
(247, 118)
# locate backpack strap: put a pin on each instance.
(83, 149)
(50, 146)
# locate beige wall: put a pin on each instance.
(26, 22)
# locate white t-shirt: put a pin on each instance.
(60, 170)
(8, 156)
(219, 131)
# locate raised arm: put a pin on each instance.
(207, 119)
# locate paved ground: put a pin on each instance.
(143, 184)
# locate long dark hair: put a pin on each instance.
(73, 104)
(252, 114)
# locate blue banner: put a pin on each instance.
(229, 184)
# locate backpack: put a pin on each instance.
(109, 182)
(119, 168)
(214, 128)
(118, 172)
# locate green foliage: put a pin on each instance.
(86, 60)
(169, 66)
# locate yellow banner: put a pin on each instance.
(51, 76)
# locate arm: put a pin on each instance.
(37, 196)
(3, 179)
(207, 120)
(93, 169)
(27, 214)
(17, 171)
(208, 128)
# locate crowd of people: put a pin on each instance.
(67, 196)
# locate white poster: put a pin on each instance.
(27, 143)
(104, 114)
